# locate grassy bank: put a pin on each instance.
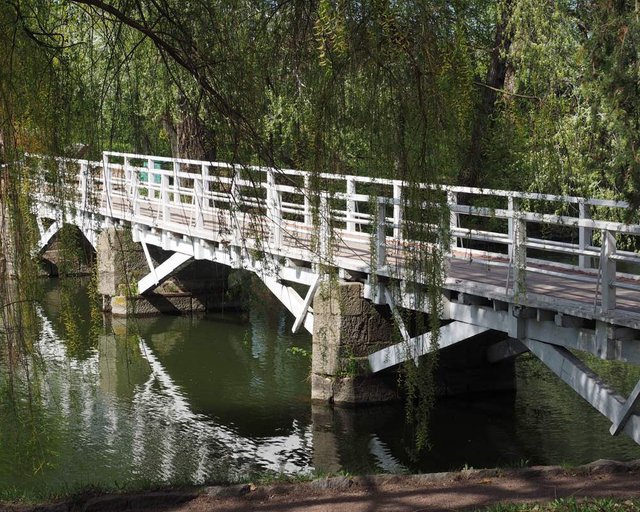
(571, 505)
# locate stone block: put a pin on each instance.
(321, 388)
(363, 390)
(325, 355)
(379, 329)
(353, 331)
(351, 301)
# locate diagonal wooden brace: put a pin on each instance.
(300, 318)
(626, 411)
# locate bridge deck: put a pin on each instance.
(548, 285)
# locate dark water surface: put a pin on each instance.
(226, 398)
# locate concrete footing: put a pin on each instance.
(347, 328)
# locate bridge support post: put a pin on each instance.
(346, 329)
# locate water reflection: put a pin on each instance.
(222, 398)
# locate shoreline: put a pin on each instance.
(597, 479)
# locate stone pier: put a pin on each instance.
(199, 286)
(347, 328)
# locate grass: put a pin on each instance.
(571, 505)
(80, 491)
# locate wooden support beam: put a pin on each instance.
(626, 411)
(587, 384)
(302, 315)
(162, 271)
(289, 298)
(450, 334)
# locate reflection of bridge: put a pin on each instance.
(544, 271)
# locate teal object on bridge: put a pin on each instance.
(144, 175)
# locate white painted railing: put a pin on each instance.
(345, 218)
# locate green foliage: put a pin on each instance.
(571, 505)
(299, 352)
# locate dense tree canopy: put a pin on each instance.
(518, 93)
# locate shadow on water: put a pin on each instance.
(226, 397)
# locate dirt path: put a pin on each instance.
(442, 491)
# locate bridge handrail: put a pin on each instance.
(284, 209)
(535, 196)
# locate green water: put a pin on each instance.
(226, 398)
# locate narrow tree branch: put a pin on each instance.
(504, 91)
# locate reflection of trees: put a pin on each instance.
(240, 374)
(118, 415)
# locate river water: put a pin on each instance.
(226, 398)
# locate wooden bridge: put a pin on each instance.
(549, 274)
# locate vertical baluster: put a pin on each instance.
(235, 204)
(83, 185)
(164, 194)
(510, 226)
(518, 234)
(608, 268)
(274, 208)
(106, 184)
(199, 196)
(452, 201)
(351, 204)
(177, 199)
(135, 189)
(397, 211)
(151, 194)
(308, 217)
(381, 235)
(585, 234)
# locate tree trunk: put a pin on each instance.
(471, 173)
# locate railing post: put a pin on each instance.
(452, 201)
(608, 269)
(351, 204)
(83, 184)
(150, 176)
(518, 246)
(397, 211)
(128, 185)
(510, 226)
(198, 196)
(585, 235)
(324, 230)
(135, 189)
(274, 212)
(381, 235)
(107, 185)
(308, 217)
(176, 183)
(164, 196)
(234, 206)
